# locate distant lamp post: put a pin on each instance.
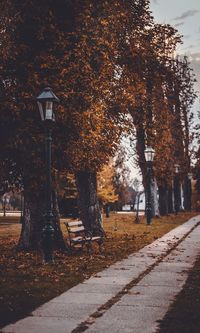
(46, 102)
(177, 167)
(149, 156)
(177, 191)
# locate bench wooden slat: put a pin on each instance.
(77, 239)
(74, 223)
(76, 229)
(93, 238)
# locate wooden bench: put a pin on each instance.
(79, 237)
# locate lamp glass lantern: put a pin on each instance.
(177, 167)
(45, 103)
(149, 154)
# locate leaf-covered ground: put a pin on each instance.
(26, 282)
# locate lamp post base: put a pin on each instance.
(137, 220)
(47, 243)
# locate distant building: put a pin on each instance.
(127, 208)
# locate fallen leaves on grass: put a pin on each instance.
(26, 283)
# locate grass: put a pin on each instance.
(26, 283)
(183, 315)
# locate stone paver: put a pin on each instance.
(42, 325)
(136, 311)
(64, 310)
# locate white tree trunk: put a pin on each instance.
(154, 199)
(182, 197)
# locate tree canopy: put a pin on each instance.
(115, 72)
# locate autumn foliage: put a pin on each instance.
(116, 74)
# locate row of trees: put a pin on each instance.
(115, 73)
(114, 188)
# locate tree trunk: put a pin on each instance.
(170, 200)
(163, 200)
(187, 194)
(30, 237)
(33, 222)
(88, 201)
(140, 147)
(154, 199)
(107, 210)
(177, 194)
(58, 236)
(4, 209)
(182, 197)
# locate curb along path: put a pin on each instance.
(132, 295)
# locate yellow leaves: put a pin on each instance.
(104, 22)
(106, 191)
(44, 65)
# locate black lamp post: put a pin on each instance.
(45, 102)
(149, 156)
(177, 191)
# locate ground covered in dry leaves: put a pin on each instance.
(26, 283)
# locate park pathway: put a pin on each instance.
(131, 296)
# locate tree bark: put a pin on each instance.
(170, 200)
(154, 199)
(30, 237)
(177, 194)
(187, 192)
(4, 208)
(58, 236)
(88, 201)
(33, 222)
(163, 200)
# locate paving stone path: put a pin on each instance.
(131, 296)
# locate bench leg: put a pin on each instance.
(89, 247)
(100, 243)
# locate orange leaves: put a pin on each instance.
(78, 58)
(106, 190)
(99, 57)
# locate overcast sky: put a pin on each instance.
(185, 16)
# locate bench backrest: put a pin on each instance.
(75, 227)
(74, 223)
